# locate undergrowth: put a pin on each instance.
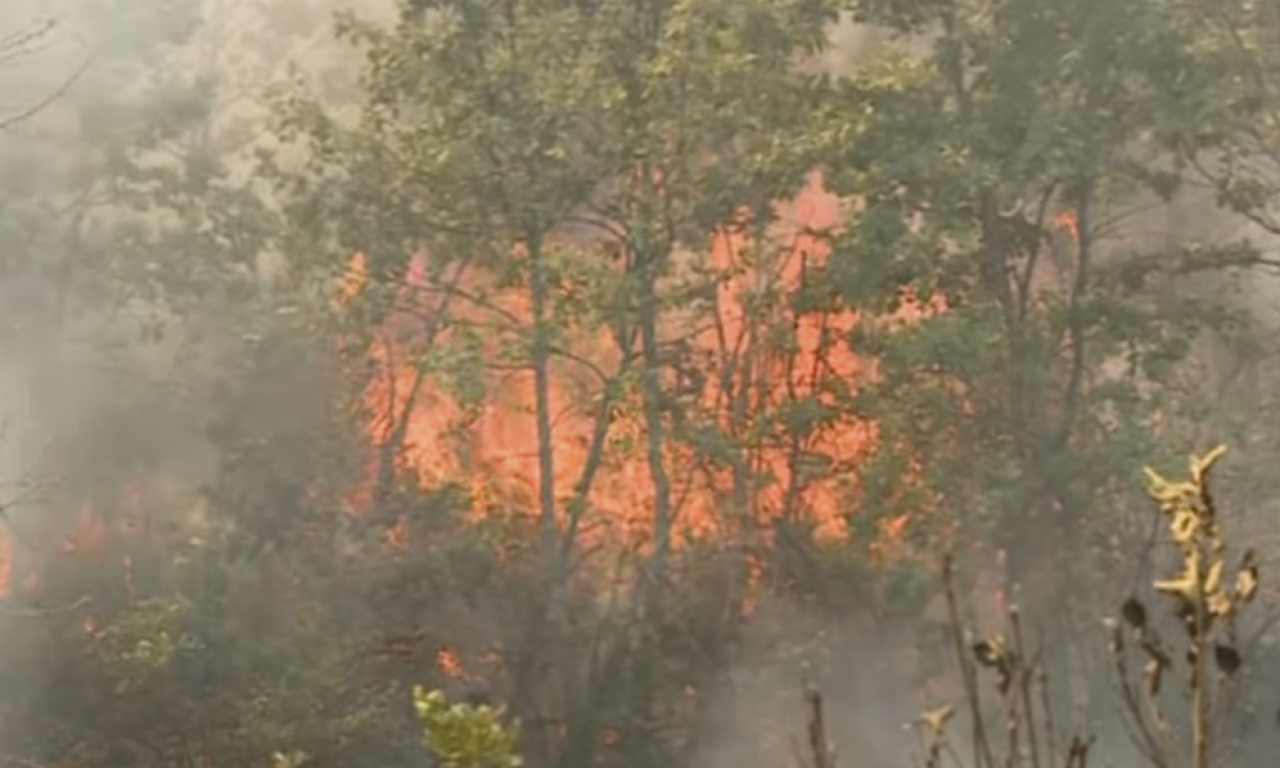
(1172, 686)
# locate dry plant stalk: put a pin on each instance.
(1204, 600)
(822, 753)
(1207, 605)
(1022, 687)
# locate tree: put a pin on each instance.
(555, 167)
(996, 171)
(135, 316)
(572, 209)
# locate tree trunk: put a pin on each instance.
(648, 267)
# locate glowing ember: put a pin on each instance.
(1068, 222)
(449, 663)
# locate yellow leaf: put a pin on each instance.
(1200, 466)
(1247, 578)
(1184, 526)
(936, 720)
(1213, 579)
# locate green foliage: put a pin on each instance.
(975, 159)
(465, 736)
(609, 138)
(141, 644)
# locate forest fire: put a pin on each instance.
(495, 448)
(91, 534)
(493, 444)
(740, 375)
(487, 383)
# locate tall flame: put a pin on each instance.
(499, 442)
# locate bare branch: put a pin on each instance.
(16, 44)
(19, 44)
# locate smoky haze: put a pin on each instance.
(177, 422)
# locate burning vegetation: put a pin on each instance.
(592, 385)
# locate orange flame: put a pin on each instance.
(1068, 222)
(500, 438)
(449, 663)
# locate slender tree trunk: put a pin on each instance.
(401, 415)
(539, 299)
(648, 267)
(545, 616)
(662, 515)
